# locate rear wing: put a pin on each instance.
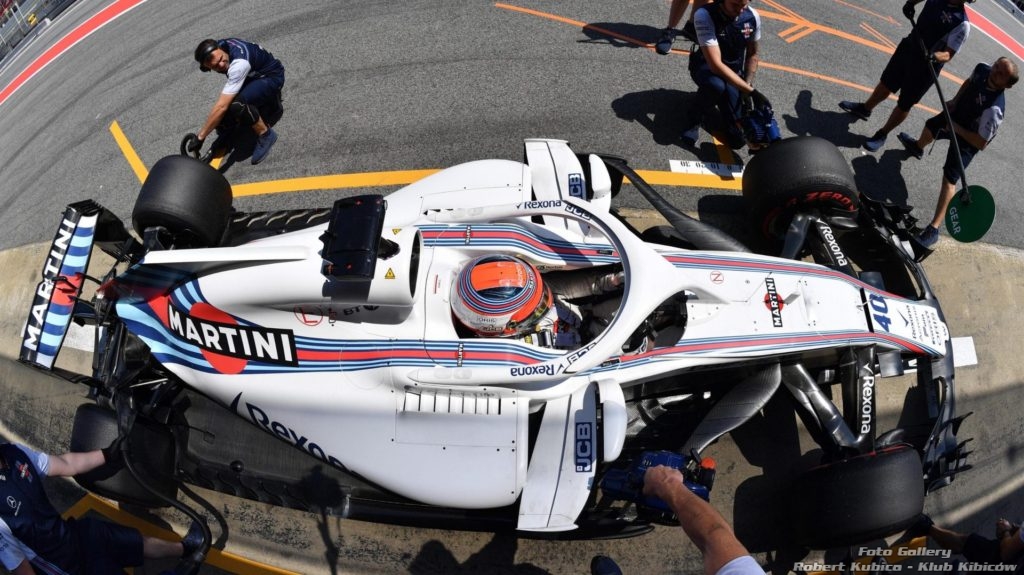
(63, 275)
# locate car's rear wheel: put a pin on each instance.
(188, 198)
(804, 174)
(152, 452)
(858, 499)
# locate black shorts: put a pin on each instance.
(907, 73)
(107, 547)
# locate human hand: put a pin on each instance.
(909, 9)
(660, 479)
(193, 145)
(113, 455)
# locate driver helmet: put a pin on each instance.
(499, 295)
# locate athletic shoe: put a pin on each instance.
(192, 540)
(690, 136)
(910, 144)
(856, 108)
(664, 45)
(689, 32)
(923, 525)
(929, 237)
(604, 565)
(874, 143)
(263, 145)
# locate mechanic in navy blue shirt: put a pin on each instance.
(724, 67)
(34, 538)
(252, 91)
(977, 111)
(943, 28)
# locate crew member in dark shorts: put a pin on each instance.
(252, 91)
(675, 14)
(35, 539)
(943, 27)
(977, 111)
(1006, 549)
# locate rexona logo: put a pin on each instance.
(262, 420)
(539, 369)
(867, 405)
(833, 245)
(773, 302)
(540, 205)
(214, 332)
(584, 446)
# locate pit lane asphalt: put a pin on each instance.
(376, 86)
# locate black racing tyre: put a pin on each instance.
(190, 199)
(804, 174)
(858, 499)
(152, 452)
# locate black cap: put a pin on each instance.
(203, 51)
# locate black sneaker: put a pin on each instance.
(192, 540)
(910, 144)
(856, 108)
(604, 565)
(875, 143)
(664, 45)
(263, 145)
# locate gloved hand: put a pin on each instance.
(755, 100)
(112, 454)
(909, 9)
(193, 145)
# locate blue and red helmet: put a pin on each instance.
(499, 295)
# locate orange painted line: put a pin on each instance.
(795, 37)
(215, 558)
(881, 38)
(781, 8)
(361, 180)
(791, 30)
(711, 181)
(888, 19)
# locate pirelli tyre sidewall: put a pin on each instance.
(152, 451)
(803, 174)
(188, 198)
(858, 499)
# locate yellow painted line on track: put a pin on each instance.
(215, 558)
(360, 180)
(129, 152)
(659, 178)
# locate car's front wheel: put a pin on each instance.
(858, 499)
(804, 174)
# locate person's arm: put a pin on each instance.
(68, 464)
(700, 521)
(1012, 546)
(216, 115)
(713, 55)
(750, 66)
(24, 568)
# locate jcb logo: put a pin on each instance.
(584, 447)
(576, 188)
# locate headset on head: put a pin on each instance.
(203, 51)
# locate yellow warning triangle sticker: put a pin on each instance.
(390, 275)
(395, 230)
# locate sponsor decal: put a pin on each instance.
(539, 205)
(576, 211)
(773, 302)
(867, 405)
(717, 277)
(24, 472)
(539, 369)
(572, 357)
(225, 343)
(308, 315)
(51, 271)
(584, 447)
(833, 245)
(261, 419)
(460, 354)
(468, 234)
(880, 311)
(576, 187)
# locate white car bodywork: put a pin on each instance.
(376, 378)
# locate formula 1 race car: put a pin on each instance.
(494, 348)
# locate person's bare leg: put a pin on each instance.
(153, 548)
(676, 11)
(946, 193)
(947, 539)
(877, 95)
